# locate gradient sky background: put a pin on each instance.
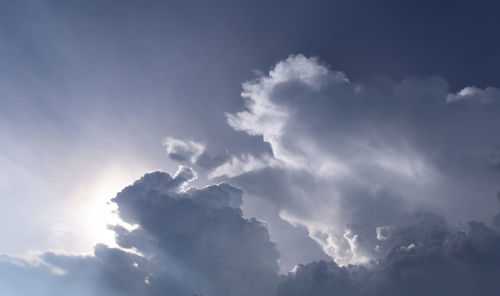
(89, 90)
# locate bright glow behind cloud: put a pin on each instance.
(92, 206)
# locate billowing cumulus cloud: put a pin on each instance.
(374, 178)
(182, 243)
(349, 157)
(422, 255)
(424, 259)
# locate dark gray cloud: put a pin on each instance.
(197, 240)
(437, 262)
(190, 242)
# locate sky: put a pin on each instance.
(249, 147)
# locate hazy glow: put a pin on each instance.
(96, 211)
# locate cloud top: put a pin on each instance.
(338, 146)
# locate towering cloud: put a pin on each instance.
(379, 173)
(197, 241)
(349, 157)
(183, 243)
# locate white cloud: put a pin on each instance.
(181, 150)
(486, 95)
(339, 145)
(350, 163)
(243, 164)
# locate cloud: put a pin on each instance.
(421, 255)
(184, 242)
(197, 154)
(183, 151)
(213, 156)
(108, 272)
(437, 262)
(487, 95)
(372, 171)
(348, 157)
(496, 218)
(236, 166)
